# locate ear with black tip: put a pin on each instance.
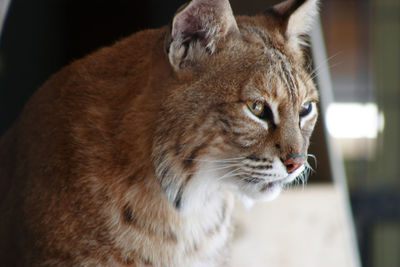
(297, 17)
(196, 30)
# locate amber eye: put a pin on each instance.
(261, 110)
(305, 109)
(256, 108)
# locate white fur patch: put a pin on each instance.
(309, 117)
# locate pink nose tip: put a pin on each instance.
(292, 164)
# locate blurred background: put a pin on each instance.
(362, 124)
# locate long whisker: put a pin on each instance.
(228, 174)
(303, 177)
(314, 73)
(223, 167)
(217, 160)
(308, 166)
(315, 161)
(327, 60)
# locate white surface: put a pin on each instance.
(303, 228)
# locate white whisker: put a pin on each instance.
(223, 167)
(229, 174)
(218, 160)
(316, 70)
(315, 161)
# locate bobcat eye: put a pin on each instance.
(256, 108)
(260, 110)
(305, 109)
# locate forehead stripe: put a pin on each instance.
(287, 75)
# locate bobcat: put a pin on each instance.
(131, 156)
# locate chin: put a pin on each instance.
(249, 197)
(250, 194)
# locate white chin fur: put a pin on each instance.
(248, 199)
(269, 195)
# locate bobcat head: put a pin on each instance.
(243, 106)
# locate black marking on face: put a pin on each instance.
(288, 77)
(262, 174)
(188, 163)
(259, 167)
(254, 158)
(253, 180)
(178, 199)
(257, 159)
(226, 123)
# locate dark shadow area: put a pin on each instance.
(40, 37)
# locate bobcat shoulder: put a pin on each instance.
(132, 155)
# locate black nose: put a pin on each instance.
(294, 162)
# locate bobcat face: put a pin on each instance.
(248, 106)
(274, 118)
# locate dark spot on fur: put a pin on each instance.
(178, 149)
(128, 261)
(128, 216)
(225, 122)
(187, 163)
(253, 158)
(260, 167)
(178, 201)
(146, 261)
(252, 180)
(178, 197)
(267, 160)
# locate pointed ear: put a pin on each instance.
(196, 30)
(297, 17)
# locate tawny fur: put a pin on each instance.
(113, 161)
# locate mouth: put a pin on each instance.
(266, 184)
(259, 179)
